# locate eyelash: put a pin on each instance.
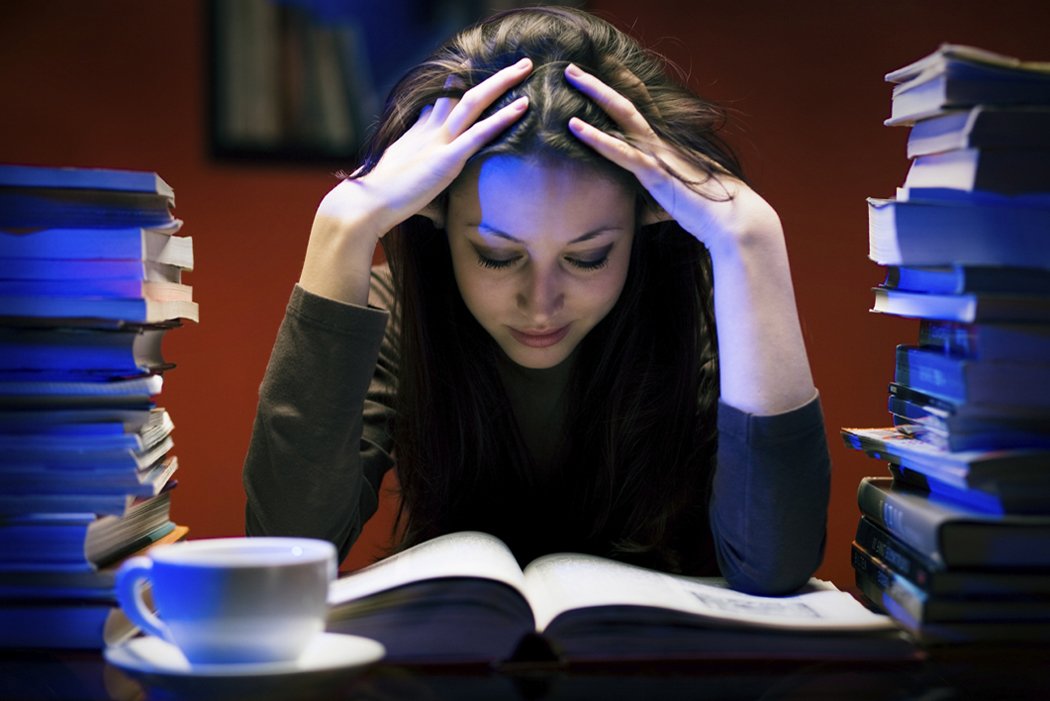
(503, 264)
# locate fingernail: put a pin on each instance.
(523, 64)
(573, 70)
(577, 124)
(521, 103)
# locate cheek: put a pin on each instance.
(478, 290)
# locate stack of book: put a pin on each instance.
(90, 282)
(955, 542)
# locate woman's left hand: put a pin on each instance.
(712, 205)
(763, 365)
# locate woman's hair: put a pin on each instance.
(633, 477)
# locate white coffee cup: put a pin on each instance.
(232, 600)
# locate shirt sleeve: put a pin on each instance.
(321, 441)
(769, 497)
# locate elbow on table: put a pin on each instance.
(773, 573)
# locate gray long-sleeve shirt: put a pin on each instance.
(323, 440)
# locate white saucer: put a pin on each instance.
(157, 662)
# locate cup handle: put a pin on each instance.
(134, 571)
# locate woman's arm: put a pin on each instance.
(770, 488)
(321, 443)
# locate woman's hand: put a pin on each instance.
(762, 360)
(409, 176)
(712, 205)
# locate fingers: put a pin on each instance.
(477, 99)
(443, 106)
(623, 154)
(619, 108)
(480, 133)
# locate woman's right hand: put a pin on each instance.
(409, 176)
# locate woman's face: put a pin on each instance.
(540, 252)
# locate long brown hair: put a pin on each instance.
(632, 480)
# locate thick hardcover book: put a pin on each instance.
(67, 178)
(927, 576)
(108, 352)
(995, 496)
(462, 598)
(953, 536)
(1009, 171)
(966, 308)
(133, 310)
(79, 270)
(1018, 343)
(86, 209)
(968, 380)
(128, 243)
(960, 279)
(982, 126)
(957, 76)
(960, 231)
(878, 580)
(133, 393)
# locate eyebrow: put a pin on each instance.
(579, 239)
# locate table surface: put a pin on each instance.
(946, 674)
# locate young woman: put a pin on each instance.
(541, 361)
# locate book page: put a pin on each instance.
(558, 583)
(466, 554)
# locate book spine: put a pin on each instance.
(908, 562)
(916, 527)
(882, 583)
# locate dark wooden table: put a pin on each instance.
(947, 674)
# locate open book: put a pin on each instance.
(462, 598)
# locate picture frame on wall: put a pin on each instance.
(303, 81)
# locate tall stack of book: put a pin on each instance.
(90, 282)
(955, 542)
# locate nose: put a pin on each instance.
(542, 295)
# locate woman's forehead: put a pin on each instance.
(507, 193)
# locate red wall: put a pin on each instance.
(121, 84)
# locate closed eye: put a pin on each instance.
(492, 263)
(594, 261)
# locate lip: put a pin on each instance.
(539, 340)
